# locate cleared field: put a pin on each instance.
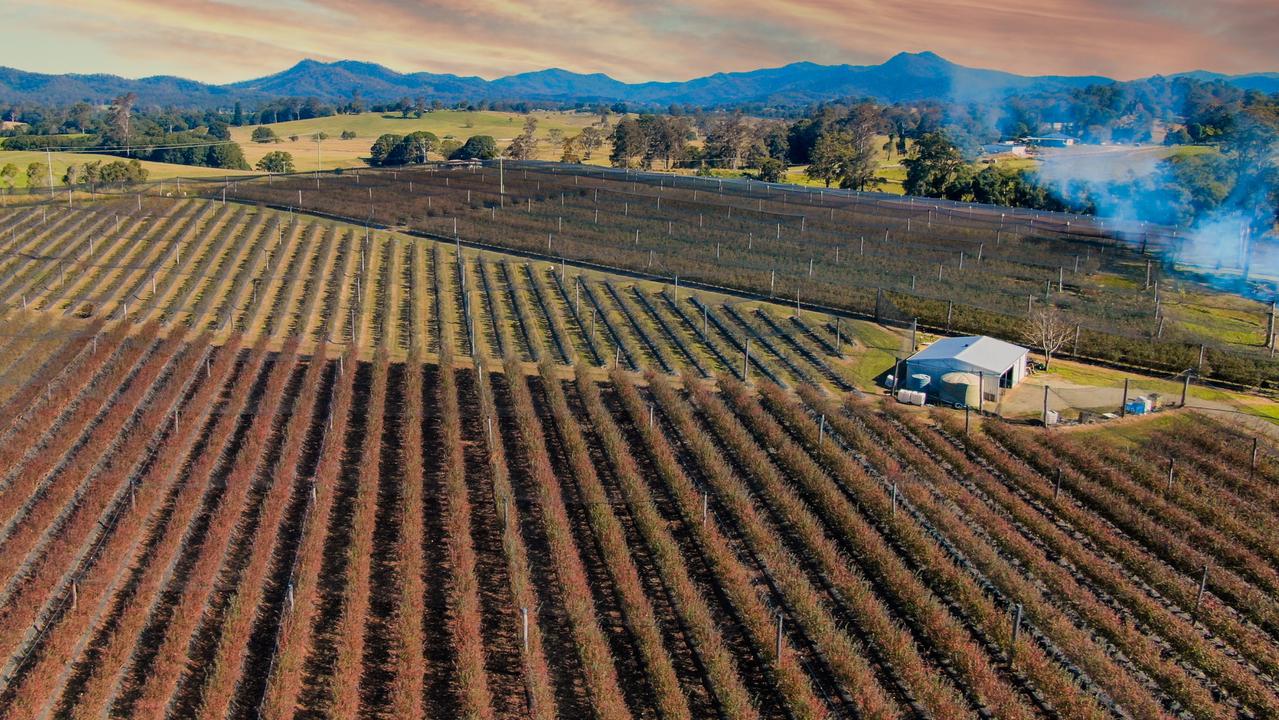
(454, 124)
(258, 464)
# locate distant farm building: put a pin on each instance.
(1007, 147)
(1053, 140)
(953, 369)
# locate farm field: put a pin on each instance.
(204, 266)
(257, 465)
(955, 267)
(446, 124)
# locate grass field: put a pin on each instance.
(455, 124)
(158, 171)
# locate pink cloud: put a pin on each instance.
(224, 40)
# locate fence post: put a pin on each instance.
(1203, 587)
(524, 620)
(1123, 406)
(1016, 629)
(1046, 388)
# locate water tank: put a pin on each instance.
(919, 381)
(962, 389)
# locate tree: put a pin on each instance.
(237, 119)
(414, 149)
(524, 146)
(729, 139)
(382, 148)
(590, 140)
(276, 161)
(629, 142)
(933, 167)
(1047, 330)
(826, 162)
(293, 138)
(73, 176)
(120, 114)
(37, 174)
(772, 170)
(348, 135)
(263, 134)
(320, 136)
(9, 174)
(228, 156)
(570, 146)
(119, 172)
(476, 147)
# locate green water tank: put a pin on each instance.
(960, 388)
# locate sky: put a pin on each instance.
(634, 40)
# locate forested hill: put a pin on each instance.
(905, 77)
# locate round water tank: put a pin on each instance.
(960, 388)
(919, 381)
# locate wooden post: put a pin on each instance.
(1123, 407)
(894, 500)
(1252, 468)
(1185, 388)
(1202, 349)
(779, 638)
(706, 505)
(1046, 388)
(746, 361)
(1057, 485)
(1016, 628)
(524, 620)
(966, 421)
(1172, 466)
(1203, 587)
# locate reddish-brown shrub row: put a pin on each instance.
(1136, 644)
(1026, 485)
(696, 615)
(1173, 548)
(886, 567)
(638, 611)
(104, 671)
(226, 667)
(297, 627)
(791, 679)
(597, 660)
(154, 684)
(101, 573)
(1076, 644)
(102, 463)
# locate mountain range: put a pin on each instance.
(904, 77)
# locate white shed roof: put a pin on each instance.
(981, 352)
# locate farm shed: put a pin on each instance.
(994, 363)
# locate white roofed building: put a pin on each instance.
(995, 363)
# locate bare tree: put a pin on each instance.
(1047, 330)
(121, 113)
